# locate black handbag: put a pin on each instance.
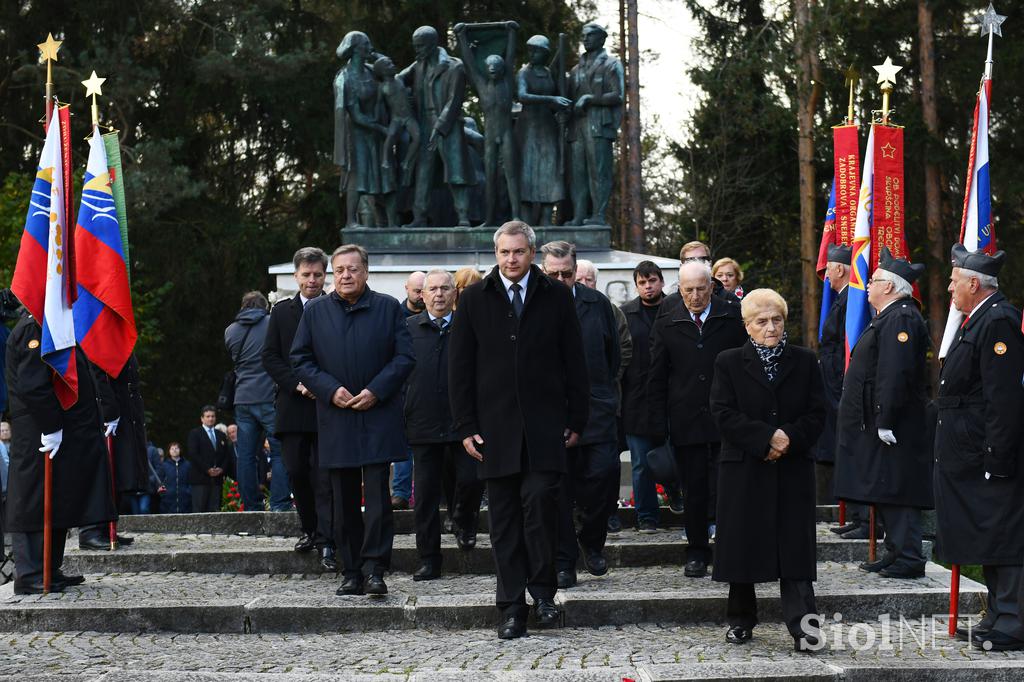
(226, 397)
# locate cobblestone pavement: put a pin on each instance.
(609, 651)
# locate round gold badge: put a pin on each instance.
(903, 337)
(33, 344)
(999, 348)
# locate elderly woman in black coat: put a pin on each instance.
(767, 401)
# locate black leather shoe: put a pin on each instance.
(901, 573)
(96, 543)
(351, 586)
(594, 562)
(328, 559)
(68, 580)
(426, 572)
(399, 503)
(993, 640)
(806, 644)
(861, 533)
(614, 524)
(845, 528)
(375, 585)
(877, 565)
(124, 540)
(512, 628)
(546, 613)
(967, 634)
(675, 503)
(305, 543)
(566, 579)
(36, 587)
(466, 541)
(738, 635)
(695, 569)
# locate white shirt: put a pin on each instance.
(978, 307)
(304, 300)
(703, 314)
(447, 318)
(507, 283)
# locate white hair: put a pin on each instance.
(985, 281)
(701, 266)
(440, 271)
(899, 285)
(514, 227)
(587, 264)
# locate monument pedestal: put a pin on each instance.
(466, 239)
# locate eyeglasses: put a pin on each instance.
(560, 274)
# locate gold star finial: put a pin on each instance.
(852, 75)
(92, 86)
(48, 49)
(991, 22)
(887, 71)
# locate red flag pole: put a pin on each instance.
(871, 533)
(113, 491)
(954, 598)
(842, 512)
(47, 522)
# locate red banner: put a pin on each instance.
(888, 201)
(64, 114)
(846, 158)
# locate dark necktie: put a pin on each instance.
(697, 321)
(440, 323)
(517, 299)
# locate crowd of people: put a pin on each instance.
(520, 387)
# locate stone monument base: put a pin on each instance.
(466, 239)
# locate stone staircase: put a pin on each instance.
(223, 597)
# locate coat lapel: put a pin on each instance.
(752, 365)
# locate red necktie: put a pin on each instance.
(966, 320)
(697, 321)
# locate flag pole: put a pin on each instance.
(954, 598)
(48, 53)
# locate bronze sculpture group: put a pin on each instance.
(400, 132)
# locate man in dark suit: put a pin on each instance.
(589, 485)
(207, 453)
(428, 426)
(295, 410)
(519, 393)
(687, 337)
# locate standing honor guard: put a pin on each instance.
(979, 461)
(882, 455)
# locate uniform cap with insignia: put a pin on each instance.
(899, 266)
(840, 253)
(979, 261)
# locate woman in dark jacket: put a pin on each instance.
(767, 400)
(176, 496)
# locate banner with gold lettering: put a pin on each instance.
(888, 201)
(845, 152)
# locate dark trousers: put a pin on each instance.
(311, 486)
(699, 464)
(1003, 614)
(797, 602)
(588, 486)
(206, 497)
(363, 543)
(903, 535)
(429, 463)
(28, 554)
(523, 511)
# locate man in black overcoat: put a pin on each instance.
(429, 429)
(295, 411)
(519, 393)
(687, 337)
(979, 458)
(74, 439)
(882, 453)
(592, 482)
(208, 452)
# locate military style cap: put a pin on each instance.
(899, 266)
(839, 253)
(979, 261)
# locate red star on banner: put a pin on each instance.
(888, 151)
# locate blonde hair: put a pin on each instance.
(722, 262)
(759, 299)
(466, 276)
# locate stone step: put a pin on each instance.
(249, 554)
(648, 653)
(306, 603)
(287, 523)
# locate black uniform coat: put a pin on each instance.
(683, 366)
(428, 412)
(201, 455)
(360, 345)
(121, 399)
(293, 412)
(518, 381)
(832, 359)
(885, 388)
(981, 411)
(602, 350)
(766, 510)
(81, 475)
(635, 417)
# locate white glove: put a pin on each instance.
(51, 442)
(887, 436)
(111, 428)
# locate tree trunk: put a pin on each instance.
(634, 177)
(938, 299)
(808, 90)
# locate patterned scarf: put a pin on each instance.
(770, 356)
